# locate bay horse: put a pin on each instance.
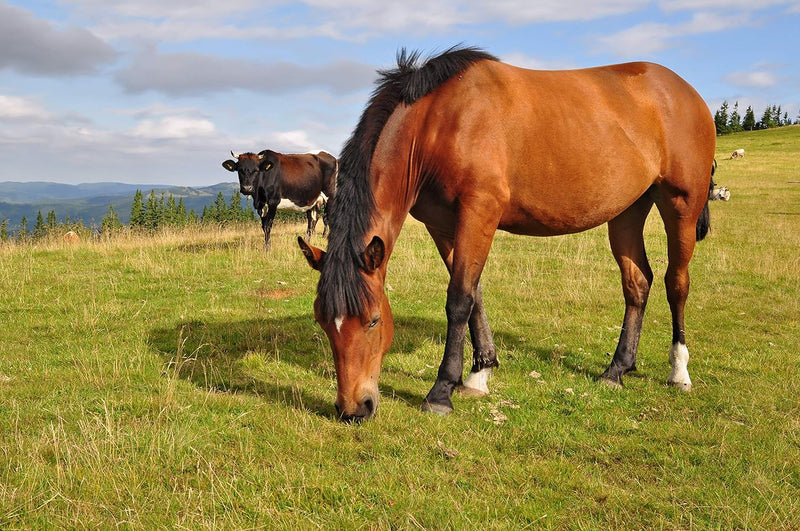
(468, 145)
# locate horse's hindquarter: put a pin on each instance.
(566, 151)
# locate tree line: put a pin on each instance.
(729, 120)
(150, 214)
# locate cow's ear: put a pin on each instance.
(265, 165)
(314, 256)
(374, 254)
(229, 165)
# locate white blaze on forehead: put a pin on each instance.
(338, 322)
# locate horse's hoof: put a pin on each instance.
(438, 409)
(614, 384)
(471, 392)
(683, 386)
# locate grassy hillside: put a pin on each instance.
(181, 382)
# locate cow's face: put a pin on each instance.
(250, 166)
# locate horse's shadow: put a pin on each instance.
(214, 355)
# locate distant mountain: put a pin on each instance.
(89, 202)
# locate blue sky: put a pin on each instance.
(154, 91)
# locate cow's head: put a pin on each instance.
(250, 167)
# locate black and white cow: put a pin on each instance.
(300, 182)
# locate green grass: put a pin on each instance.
(181, 382)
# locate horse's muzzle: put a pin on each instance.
(364, 411)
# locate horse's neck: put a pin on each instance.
(392, 207)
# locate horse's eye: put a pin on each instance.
(375, 321)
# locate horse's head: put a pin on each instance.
(360, 341)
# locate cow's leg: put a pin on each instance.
(266, 223)
(324, 213)
(310, 222)
(625, 233)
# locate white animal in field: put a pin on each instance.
(719, 194)
(738, 154)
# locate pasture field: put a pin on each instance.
(179, 381)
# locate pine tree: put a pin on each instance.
(766, 119)
(169, 216)
(721, 119)
(4, 236)
(749, 121)
(735, 123)
(181, 213)
(22, 234)
(152, 212)
(137, 211)
(110, 223)
(52, 224)
(235, 211)
(39, 229)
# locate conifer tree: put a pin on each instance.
(721, 119)
(137, 210)
(181, 213)
(152, 212)
(235, 212)
(110, 223)
(735, 123)
(749, 121)
(169, 215)
(22, 234)
(52, 224)
(4, 236)
(39, 228)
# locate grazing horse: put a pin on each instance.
(301, 182)
(468, 145)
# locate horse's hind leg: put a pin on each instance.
(681, 234)
(625, 233)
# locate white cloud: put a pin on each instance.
(650, 37)
(15, 108)
(189, 73)
(754, 79)
(174, 127)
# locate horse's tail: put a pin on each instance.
(704, 221)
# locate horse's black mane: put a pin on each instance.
(341, 289)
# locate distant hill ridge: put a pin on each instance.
(89, 202)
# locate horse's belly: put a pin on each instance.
(565, 215)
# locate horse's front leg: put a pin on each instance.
(484, 354)
(464, 307)
(458, 308)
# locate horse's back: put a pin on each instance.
(569, 149)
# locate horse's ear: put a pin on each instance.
(374, 254)
(314, 256)
(229, 165)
